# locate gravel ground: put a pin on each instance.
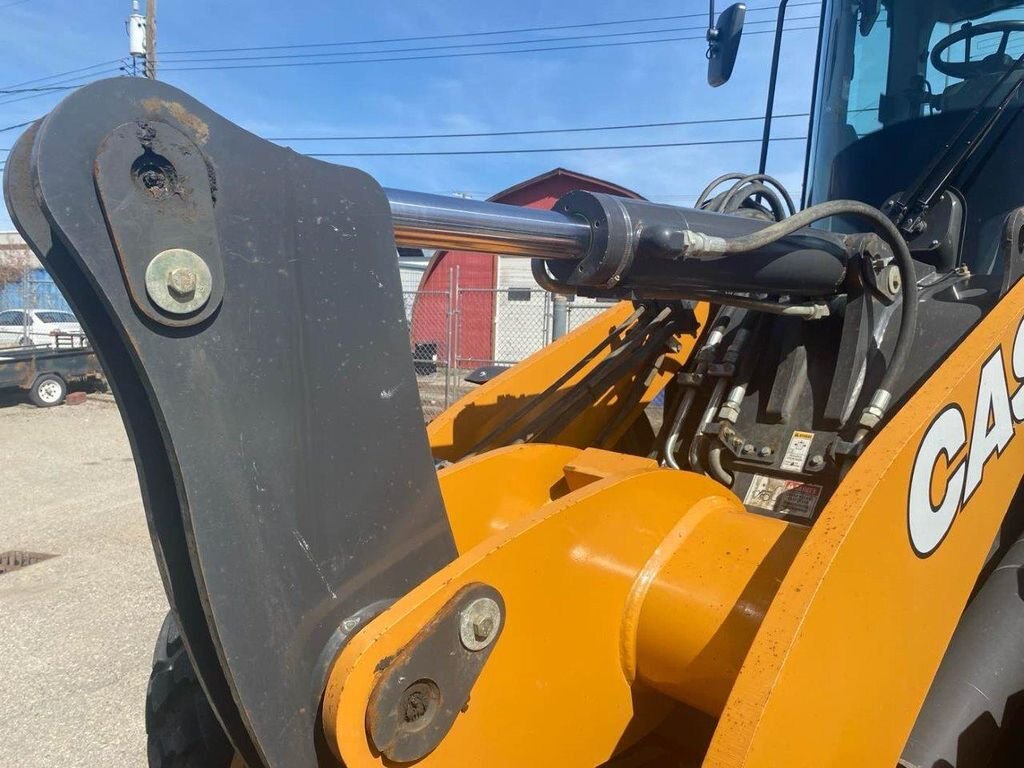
(76, 631)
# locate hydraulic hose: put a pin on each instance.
(876, 409)
(760, 180)
(735, 199)
(740, 180)
(706, 194)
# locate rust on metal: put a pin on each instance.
(199, 129)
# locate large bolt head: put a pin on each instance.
(479, 624)
(178, 281)
(181, 282)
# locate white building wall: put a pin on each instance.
(522, 312)
(410, 270)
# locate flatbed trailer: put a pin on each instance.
(46, 372)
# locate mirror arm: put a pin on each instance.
(772, 83)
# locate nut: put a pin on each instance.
(479, 623)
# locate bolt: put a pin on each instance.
(748, 449)
(178, 281)
(893, 280)
(479, 623)
(415, 706)
(816, 462)
(419, 704)
(765, 452)
(483, 628)
(154, 179)
(181, 282)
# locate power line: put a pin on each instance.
(421, 49)
(553, 149)
(456, 35)
(19, 125)
(80, 81)
(460, 55)
(38, 90)
(537, 131)
(64, 74)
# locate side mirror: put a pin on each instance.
(724, 44)
(869, 10)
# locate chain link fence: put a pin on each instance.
(459, 337)
(33, 312)
(463, 336)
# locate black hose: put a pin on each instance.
(901, 252)
(706, 194)
(764, 179)
(734, 200)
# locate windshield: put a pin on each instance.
(893, 92)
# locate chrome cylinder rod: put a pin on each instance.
(435, 221)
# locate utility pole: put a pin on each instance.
(151, 39)
(136, 27)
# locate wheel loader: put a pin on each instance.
(815, 559)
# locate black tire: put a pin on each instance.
(181, 729)
(48, 390)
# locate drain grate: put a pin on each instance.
(17, 558)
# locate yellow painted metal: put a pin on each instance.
(592, 465)
(843, 660)
(484, 495)
(588, 579)
(643, 603)
(453, 433)
(701, 600)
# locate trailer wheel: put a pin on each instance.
(48, 390)
(181, 729)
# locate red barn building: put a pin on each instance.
(477, 302)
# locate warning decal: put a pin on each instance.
(796, 453)
(785, 498)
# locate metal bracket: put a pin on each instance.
(157, 195)
(424, 687)
(272, 522)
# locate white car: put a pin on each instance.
(40, 327)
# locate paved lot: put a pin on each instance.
(76, 631)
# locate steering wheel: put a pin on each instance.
(995, 62)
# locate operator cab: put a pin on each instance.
(897, 84)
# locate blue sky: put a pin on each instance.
(553, 89)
